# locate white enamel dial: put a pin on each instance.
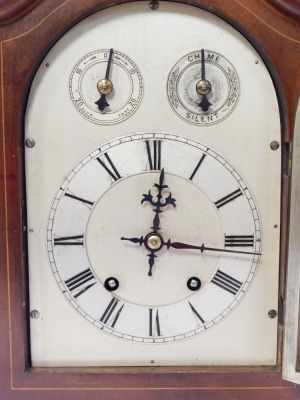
(221, 171)
(99, 203)
(203, 87)
(122, 98)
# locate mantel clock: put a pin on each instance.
(150, 205)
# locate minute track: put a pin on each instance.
(177, 243)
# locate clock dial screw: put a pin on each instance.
(272, 314)
(34, 314)
(274, 145)
(30, 143)
(194, 283)
(111, 284)
(154, 5)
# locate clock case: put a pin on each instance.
(28, 30)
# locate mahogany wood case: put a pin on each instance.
(28, 29)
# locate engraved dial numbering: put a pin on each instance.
(123, 88)
(203, 87)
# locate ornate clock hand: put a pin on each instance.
(153, 242)
(105, 86)
(203, 87)
(151, 262)
(202, 248)
(134, 240)
(159, 204)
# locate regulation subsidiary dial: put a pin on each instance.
(203, 87)
(106, 86)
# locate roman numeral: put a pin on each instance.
(227, 199)
(197, 167)
(154, 325)
(111, 169)
(197, 315)
(239, 241)
(155, 158)
(80, 283)
(110, 317)
(227, 282)
(69, 241)
(72, 196)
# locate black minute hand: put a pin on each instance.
(202, 248)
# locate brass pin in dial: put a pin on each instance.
(104, 86)
(203, 87)
(154, 242)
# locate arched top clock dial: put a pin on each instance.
(145, 229)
